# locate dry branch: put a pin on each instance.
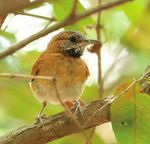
(99, 59)
(58, 126)
(25, 76)
(68, 21)
(13, 5)
(51, 19)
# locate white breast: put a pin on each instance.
(49, 94)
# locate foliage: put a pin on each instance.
(125, 34)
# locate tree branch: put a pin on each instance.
(68, 21)
(25, 76)
(58, 126)
(13, 5)
(99, 59)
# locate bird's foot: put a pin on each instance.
(77, 108)
(40, 119)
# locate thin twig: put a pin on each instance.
(25, 76)
(67, 110)
(101, 8)
(74, 8)
(36, 16)
(89, 139)
(98, 32)
(68, 21)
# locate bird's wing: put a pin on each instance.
(37, 65)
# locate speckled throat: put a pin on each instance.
(73, 52)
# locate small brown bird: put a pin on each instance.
(62, 61)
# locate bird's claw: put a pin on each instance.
(77, 108)
(40, 119)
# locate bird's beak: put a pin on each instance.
(88, 42)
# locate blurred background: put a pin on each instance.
(125, 36)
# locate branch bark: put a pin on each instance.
(68, 21)
(58, 126)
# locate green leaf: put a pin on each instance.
(130, 116)
(62, 9)
(78, 138)
(9, 36)
(133, 9)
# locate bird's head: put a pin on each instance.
(70, 43)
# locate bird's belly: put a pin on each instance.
(49, 93)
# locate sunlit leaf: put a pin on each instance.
(78, 138)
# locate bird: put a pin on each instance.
(62, 61)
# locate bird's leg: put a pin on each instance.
(40, 117)
(42, 109)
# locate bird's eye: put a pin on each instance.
(73, 39)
